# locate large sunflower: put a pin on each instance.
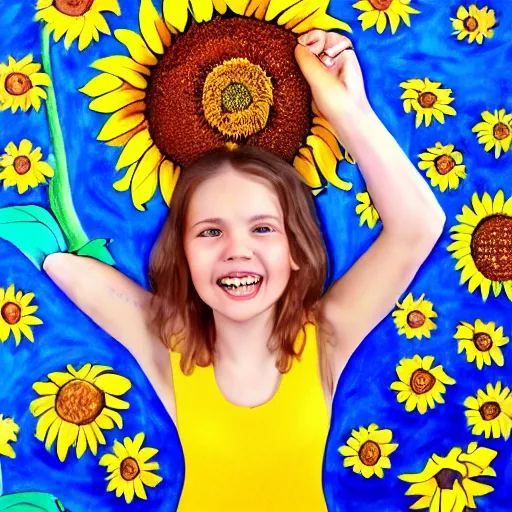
(129, 468)
(477, 23)
(448, 484)
(20, 84)
(233, 80)
(413, 317)
(16, 314)
(443, 165)
(367, 451)
(375, 12)
(420, 385)
(481, 342)
(495, 131)
(22, 166)
(76, 406)
(76, 18)
(490, 412)
(482, 244)
(8, 433)
(427, 99)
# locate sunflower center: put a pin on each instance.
(470, 24)
(129, 468)
(482, 341)
(22, 164)
(229, 82)
(237, 97)
(427, 99)
(79, 402)
(491, 247)
(381, 5)
(11, 313)
(369, 453)
(422, 381)
(415, 319)
(490, 410)
(73, 7)
(17, 84)
(447, 477)
(444, 164)
(501, 131)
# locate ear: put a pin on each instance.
(293, 264)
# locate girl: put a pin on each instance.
(237, 339)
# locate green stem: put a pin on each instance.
(61, 201)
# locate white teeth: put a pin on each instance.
(237, 282)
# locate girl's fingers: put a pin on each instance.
(314, 40)
(338, 47)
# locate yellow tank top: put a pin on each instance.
(253, 459)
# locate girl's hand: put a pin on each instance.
(329, 64)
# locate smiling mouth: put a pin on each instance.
(236, 288)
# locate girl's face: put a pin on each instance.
(235, 227)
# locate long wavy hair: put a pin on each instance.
(180, 318)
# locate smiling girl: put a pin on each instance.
(238, 338)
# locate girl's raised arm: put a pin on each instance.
(113, 301)
(120, 307)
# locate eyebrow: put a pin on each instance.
(254, 218)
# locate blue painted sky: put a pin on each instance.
(478, 77)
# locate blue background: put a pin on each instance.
(479, 78)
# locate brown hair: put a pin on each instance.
(180, 318)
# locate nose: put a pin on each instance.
(237, 247)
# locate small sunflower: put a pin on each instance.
(490, 412)
(8, 433)
(76, 18)
(448, 484)
(482, 244)
(76, 406)
(477, 23)
(444, 166)
(420, 385)
(16, 315)
(366, 210)
(22, 166)
(367, 451)
(129, 468)
(413, 318)
(20, 84)
(495, 131)
(170, 103)
(375, 12)
(481, 342)
(427, 99)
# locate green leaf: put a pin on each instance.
(33, 230)
(30, 501)
(97, 249)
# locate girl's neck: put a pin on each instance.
(243, 345)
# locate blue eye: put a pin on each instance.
(208, 230)
(265, 227)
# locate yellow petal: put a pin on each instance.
(153, 29)
(68, 434)
(176, 13)
(326, 162)
(145, 179)
(136, 46)
(134, 149)
(202, 10)
(124, 67)
(101, 84)
(307, 169)
(330, 139)
(123, 121)
(169, 175)
(113, 101)
(113, 384)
